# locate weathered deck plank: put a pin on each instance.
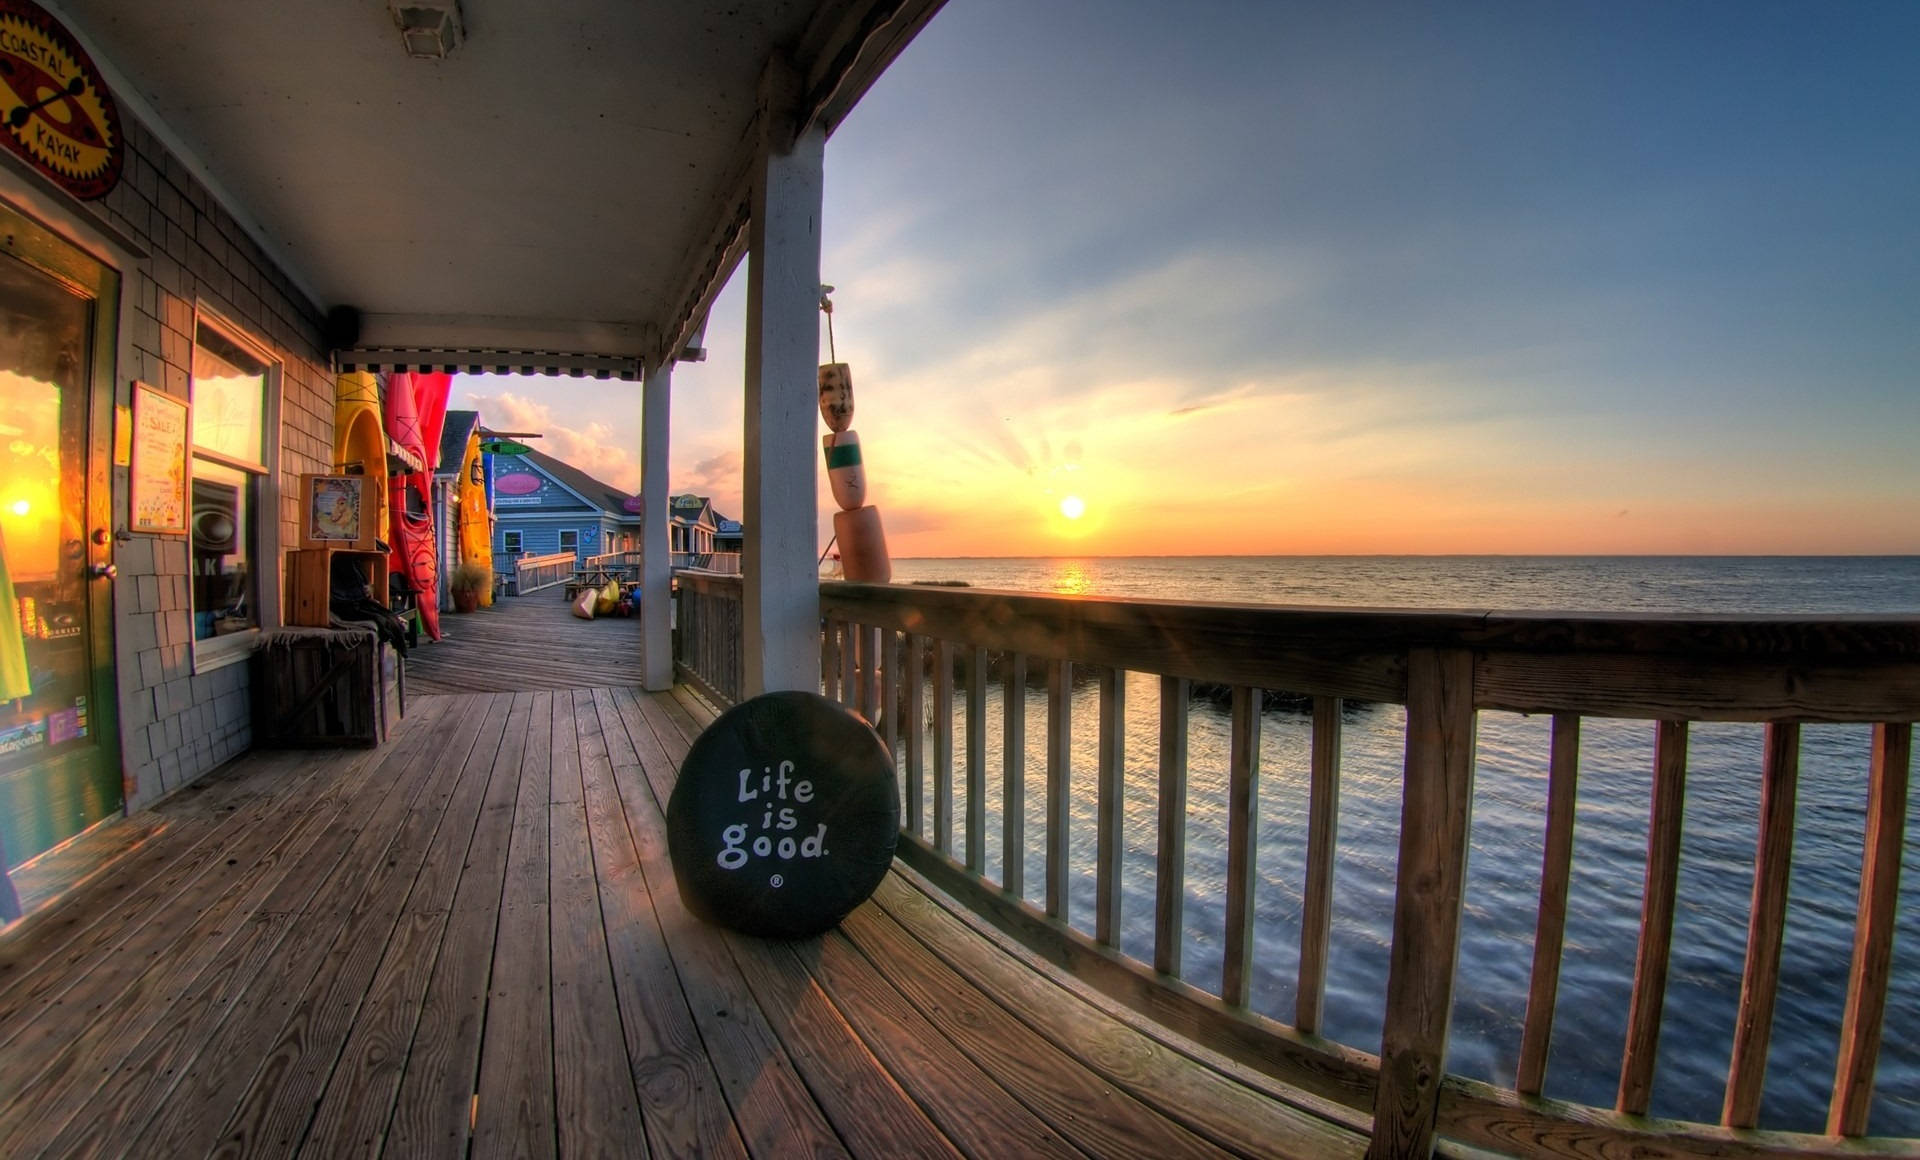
(471, 942)
(525, 642)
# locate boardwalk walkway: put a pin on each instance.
(525, 642)
(470, 942)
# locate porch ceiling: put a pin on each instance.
(572, 178)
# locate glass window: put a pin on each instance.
(229, 471)
(511, 541)
(569, 541)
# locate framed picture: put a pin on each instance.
(338, 512)
(159, 469)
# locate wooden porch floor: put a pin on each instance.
(471, 940)
(526, 642)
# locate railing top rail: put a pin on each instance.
(1827, 668)
(537, 561)
(1855, 636)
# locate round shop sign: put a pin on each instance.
(57, 112)
(784, 817)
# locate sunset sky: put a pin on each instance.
(1372, 278)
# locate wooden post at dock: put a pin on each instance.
(1437, 798)
(656, 562)
(779, 569)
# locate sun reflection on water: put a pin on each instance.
(1071, 578)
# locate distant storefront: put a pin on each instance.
(542, 506)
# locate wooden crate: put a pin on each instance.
(310, 581)
(321, 688)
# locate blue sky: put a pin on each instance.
(1371, 277)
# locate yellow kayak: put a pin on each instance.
(475, 521)
(360, 436)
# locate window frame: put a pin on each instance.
(510, 542)
(218, 652)
(566, 547)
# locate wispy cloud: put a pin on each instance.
(591, 447)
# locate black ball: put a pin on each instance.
(784, 817)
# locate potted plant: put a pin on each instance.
(465, 584)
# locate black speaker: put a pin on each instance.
(342, 327)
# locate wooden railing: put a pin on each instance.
(532, 573)
(724, 563)
(707, 633)
(1445, 668)
(620, 560)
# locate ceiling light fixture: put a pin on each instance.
(429, 29)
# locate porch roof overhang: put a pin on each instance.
(565, 191)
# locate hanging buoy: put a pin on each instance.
(845, 475)
(784, 817)
(836, 396)
(863, 545)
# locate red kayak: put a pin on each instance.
(416, 407)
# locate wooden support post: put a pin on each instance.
(1111, 805)
(977, 760)
(1550, 923)
(1059, 777)
(1323, 814)
(1873, 930)
(943, 746)
(656, 562)
(1170, 862)
(1243, 823)
(1436, 802)
(916, 678)
(779, 569)
(1013, 789)
(1766, 927)
(1656, 918)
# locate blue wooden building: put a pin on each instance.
(542, 505)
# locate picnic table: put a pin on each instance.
(600, 576)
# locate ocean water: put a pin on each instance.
(1509, 809)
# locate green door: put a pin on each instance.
(59, 750)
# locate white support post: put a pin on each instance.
(656, 562)
(780, 566)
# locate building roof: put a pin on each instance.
(453, 440)
(600, 494)
(691, 509)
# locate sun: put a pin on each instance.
(1073, 507)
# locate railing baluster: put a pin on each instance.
(1766, 927)
(916, 678)
(1059, 768)
(977, 760)
(870, 673)
(1110, 806)
(1170, 862)
(1013, 792)
(1656, 918)
(1435, 810)
(889, 722)
(943, 746)
(1243, 805)
(849, 664)
(1873, 930)
(1550, 922)
(1323, 820)
(829, 662)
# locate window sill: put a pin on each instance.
(220, 651)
